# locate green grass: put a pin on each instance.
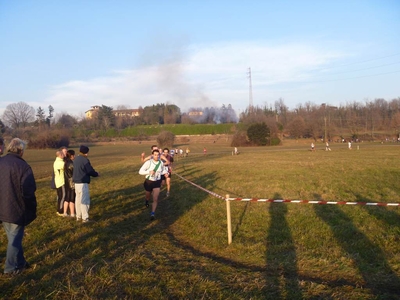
(180, 129)
(279, 251)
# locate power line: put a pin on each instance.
(357, 77)
(229, 78)
(250, 92)
(364, 61)
(398, 62)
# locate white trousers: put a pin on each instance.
(82, 201)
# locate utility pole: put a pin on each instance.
(250, 93)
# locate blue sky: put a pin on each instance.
(75, 54)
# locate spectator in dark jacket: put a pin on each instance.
(17, 203)
(69, 184)
(83, 170)
(1, 146)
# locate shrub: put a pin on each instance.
(23, 133)
(258, 134)
(275, 141)
(239, 139)
(165, 139)
(50, 139)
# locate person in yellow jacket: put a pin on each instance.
(59, 180)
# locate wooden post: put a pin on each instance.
(228, 219)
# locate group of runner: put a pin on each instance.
(179, 152)
(157, 168)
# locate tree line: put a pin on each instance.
(354, 120)
(21, 115)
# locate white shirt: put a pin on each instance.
(149, 166)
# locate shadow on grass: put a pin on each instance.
(281, 259)
(280, 271)
(239, 223)
(106, 259)
(69, 251)
(70, 255)
(385, 214)
(368, 258)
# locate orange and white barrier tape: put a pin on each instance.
(313, 202)
(228, 206)
(287, 200)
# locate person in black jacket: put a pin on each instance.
(83, 170)
(1, 146)
(69, 184)
(17, 203)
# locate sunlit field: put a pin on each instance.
(278, 251)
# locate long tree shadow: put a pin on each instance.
(369, 259)
(124, 225)
(281, 258)
(281, 255)
(239, 223)
(382, 213)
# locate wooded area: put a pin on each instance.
(367, 121)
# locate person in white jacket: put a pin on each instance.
(153, 169)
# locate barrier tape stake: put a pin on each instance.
(228, 205)
(228, 219)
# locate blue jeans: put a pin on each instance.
(15, 254)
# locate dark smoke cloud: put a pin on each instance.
(215, 115)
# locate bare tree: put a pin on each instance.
(255, 115)
(18, 114)
(281, 110)
(2, 127)
(297, 127)
(396, 122)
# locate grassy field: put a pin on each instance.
(279, 251)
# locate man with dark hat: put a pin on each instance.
(83, 170)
